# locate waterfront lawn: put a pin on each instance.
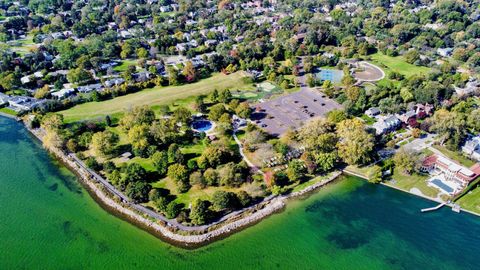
(407, 182)
(155, 96)
(471, 200)
(8, 111)
(457, 156)
(397, 64)
(311, 182)
(195, 192)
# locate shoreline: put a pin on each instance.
(195, 236)
(411, 193)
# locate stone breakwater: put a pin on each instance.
(167, 231)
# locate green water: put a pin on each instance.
(48, 221)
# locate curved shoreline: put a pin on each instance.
(167, 232)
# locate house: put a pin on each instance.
(471, 148)
(3, 99)
(372, 112)
(386, 124)
(444, 52)
(112, 82)
(22, 103)
(64, 93)
(409, 118)
(447, 175)
(90, 88)
(471, 87)
(423, 111)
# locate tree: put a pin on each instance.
(211, 177)
(138, 191)
(173, 209)
(160, 161)
(200, 213)
(179, 174)
(244, 198)
(243, 110)
(326, 161)
(296, 170)
(225, 96)
(406, 161)
(355, 144)
(189, 72)
(52, 122)
(216, 111)
(103, 143)
(451, 126)
(78, 75)
(224, 200)
(411, 56)
(138, 136)
(310, 80)
(42, 92)
(318, 134)
(172, 75)
(175, 154)
(196, 178)
(182, 115)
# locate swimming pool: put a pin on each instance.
(441, 185)
(202, 125)
(332, 75)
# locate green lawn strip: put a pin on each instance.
(8, 111)
(455, 156)
(397, 64)
(124, 65)
(368, 120)
(196, 192)
(471, 200)
(407, 182)
(311, 182)
(154, 96)
(364, 171)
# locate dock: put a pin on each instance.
(433, 208)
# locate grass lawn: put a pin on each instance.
(154, 96)
(368, 120)
(311, 182)
(457, 156)
(23, 46)
(196, 192)
(364, 171)
(397, 64)
(8, 111)
(124, 65)
(407, 182)
(471, 200)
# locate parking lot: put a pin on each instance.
(291, 111)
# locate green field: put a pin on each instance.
(124, 65)
(471, 200)
(8, 111)
(154, 96)
(398, 64)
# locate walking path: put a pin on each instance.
(250, 164)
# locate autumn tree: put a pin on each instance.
(355, 144)
(103, 143)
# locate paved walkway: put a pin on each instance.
(250, 164)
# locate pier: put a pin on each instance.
(433, 208)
